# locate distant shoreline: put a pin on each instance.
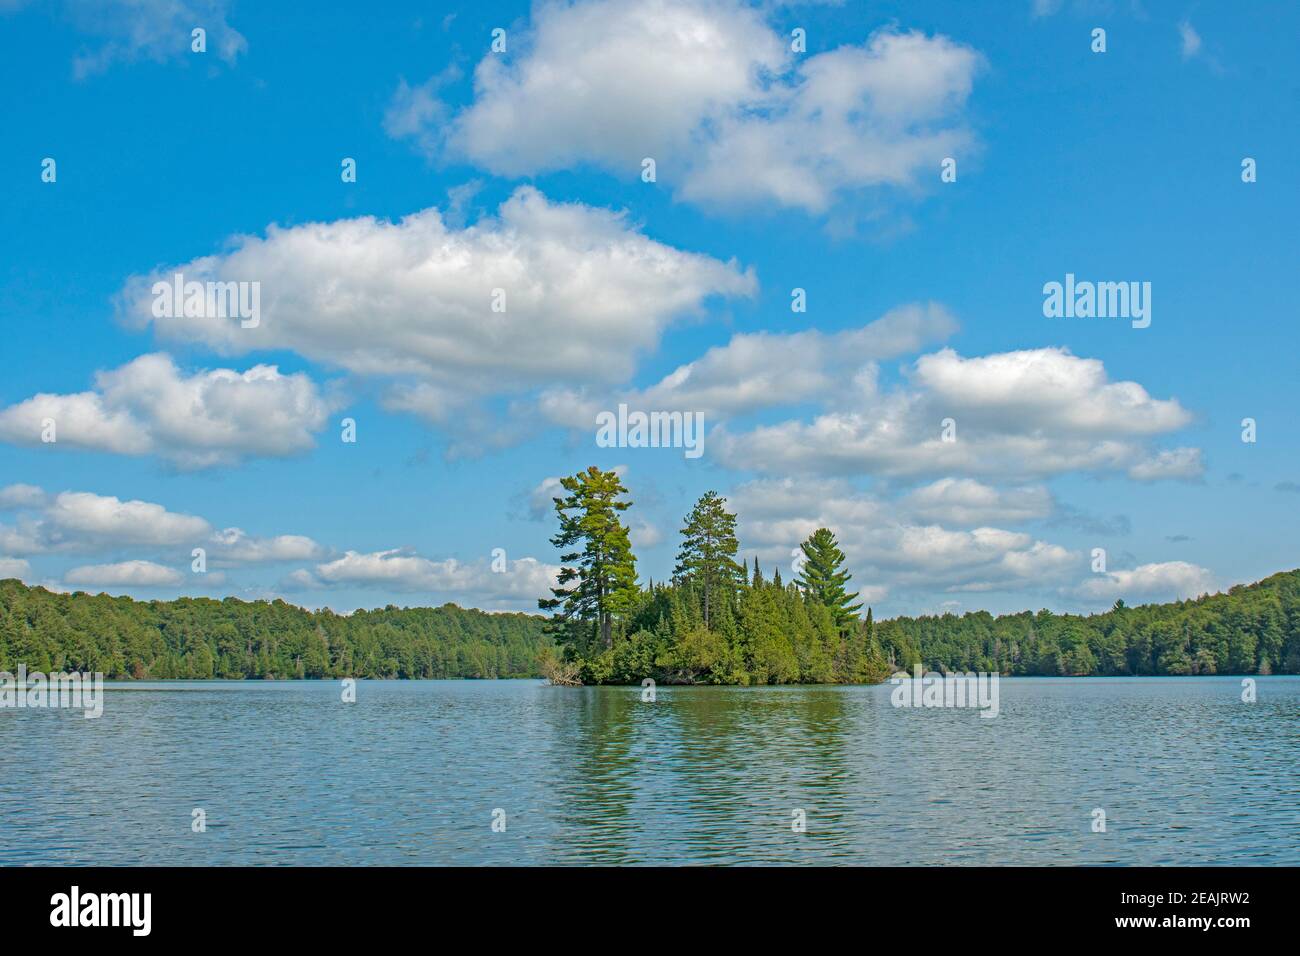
(1244, 632)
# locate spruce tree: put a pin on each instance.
(822, 578)
(605, 574)
(707, 558)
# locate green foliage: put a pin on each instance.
(203, 638)
(823, 579)
(605, 572)
(710, 625)
(707, 559)
(1253, 629)
(767, 633)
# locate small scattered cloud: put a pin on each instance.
(16, 497)
(540, 500)
(155, 30)
(84, 523)
(1185, 464)
(233, 546)
(139, 574)
(1167, 581)
(75, 521)
(417, 112)
(199, 420)
(642, 534)
(522, 582)
(15, 568)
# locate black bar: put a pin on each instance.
(335, 905)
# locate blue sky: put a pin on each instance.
(775, 170)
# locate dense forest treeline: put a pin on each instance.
(203, 638)
(715, 621)
(1252, 629)
(769, 635)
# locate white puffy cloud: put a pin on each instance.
(853, 118)
(157, 30)
(1044, 389)
(1034, 412)
(21, 539)
(148, 406)
(73, 522)
(80, 420)
(761, 370)
(232, 546)
(21, 496)
(140, 574)
(714, 94)
(15, 568)
(400, 569)
(776, 514)
(1191, 40)
(1167, 581)
(887, 547)
(585, 294)
(125, 522)
(981, 559)
(965, 501)
(81, 521)
(613, 81)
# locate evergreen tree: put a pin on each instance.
(822, 579)
(606, 568)
(707, 557)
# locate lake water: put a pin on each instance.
(411, 774)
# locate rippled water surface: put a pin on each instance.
(411, 774)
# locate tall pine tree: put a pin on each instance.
(707, 558)
(603, 585)
(822, 579)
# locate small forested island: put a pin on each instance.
(716, 621)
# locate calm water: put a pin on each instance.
(411, 774)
